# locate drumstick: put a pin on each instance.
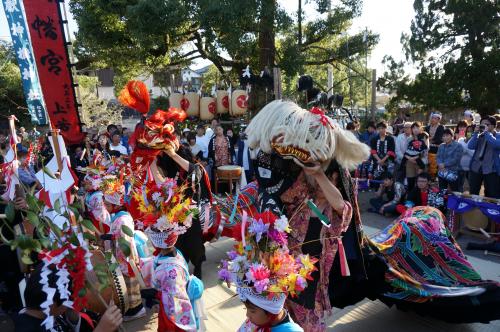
(83, 154)
(486, 253)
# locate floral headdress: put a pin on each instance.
(261, 264)
(165, 209)
(109, 179)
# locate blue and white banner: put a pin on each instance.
(25, 59)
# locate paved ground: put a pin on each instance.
(225, 312)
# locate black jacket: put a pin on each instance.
(437, 139)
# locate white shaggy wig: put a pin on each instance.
(315, 133)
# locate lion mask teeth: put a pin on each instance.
(293, 151)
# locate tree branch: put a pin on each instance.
(181, 61)
(217, 60)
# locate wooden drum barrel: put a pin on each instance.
(228, 172)
(117, 289)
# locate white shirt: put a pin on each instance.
(120, 148)
(195, 149)
(203, 142)
(401, 145)
(466, 156)
(246, 163)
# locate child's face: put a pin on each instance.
(256, 315)
(110, 207)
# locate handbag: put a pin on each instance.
(450, 176)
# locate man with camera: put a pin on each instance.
(485, 163)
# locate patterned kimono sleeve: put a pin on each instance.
(343, 220)
(176, 303)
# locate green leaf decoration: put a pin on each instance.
(88, 225)
(124, 246)
(10, 212)
(74, 240)
(113, 266)
(127, 231)
(89, 236)
(75, 211)
(48, 172)
(82, 292)
(57, 206)
(45, 242)
(24, 242)
(33, 218)
(26, 259)
(54, 228)
(32, 202)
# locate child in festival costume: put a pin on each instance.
(65, 318)
(169, 214)
(113, 191)
(266, 273)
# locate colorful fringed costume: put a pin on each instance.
(428, 272)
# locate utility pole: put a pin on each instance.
(374, 93)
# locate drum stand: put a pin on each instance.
(229, 180)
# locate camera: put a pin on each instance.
(482, 128)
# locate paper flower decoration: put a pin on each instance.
(262, 260)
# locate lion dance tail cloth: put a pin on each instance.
(428, 273)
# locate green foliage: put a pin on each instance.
(127, 231)
(142, 36)
(124, 246)
(11, 90)
(95, 112)
(456, 46)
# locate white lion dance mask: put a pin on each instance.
(309, 136)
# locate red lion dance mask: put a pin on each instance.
(158, 131)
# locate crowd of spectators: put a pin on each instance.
(421, 165)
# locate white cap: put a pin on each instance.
(272, 304)
(186, 130)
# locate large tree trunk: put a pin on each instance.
(266, 35)
(267, 53)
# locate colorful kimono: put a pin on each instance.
(309, 236)
(171, 278)
(118, 220)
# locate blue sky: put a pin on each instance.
(388, 18)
